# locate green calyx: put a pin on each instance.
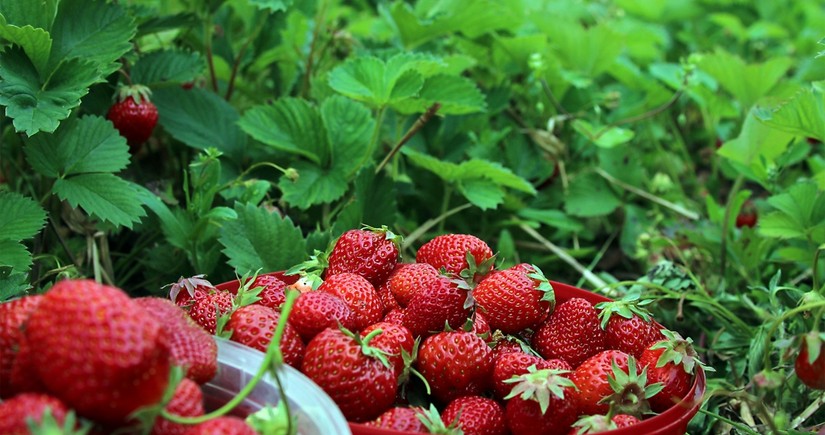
(679, 351)
(813, 342)
(385, 232)
(273, 420)
(409, 359)
(246, 295)
(627, 307)
(312, 269)
(630, 390)
(139, 93)
(48, 425)
(594, 424)
(544, 286)
(540, 386)
(475, 272)
(366, 349)
(431, 420)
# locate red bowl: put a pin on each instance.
(674, 421)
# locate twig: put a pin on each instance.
(561, 253)
(663, 202)
(419, 123)
(415, 235)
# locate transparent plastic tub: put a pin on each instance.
(317, 414)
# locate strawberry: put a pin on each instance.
(187, 401)
(254, 326)
(358, 294)
(671, 362)
(443, 301)
(571, 333)
(408, 279)
(810, 363)
(515, 364)
(87, 339)
(387, 298)
(356, 375)
(602, 423)
(591, 378)
(481, 327)
(189, 345)
(272, 294)
(370, 252)
(394, 341)
(450, 252)
(226, 425)
(504, 344)
(542, 401)
(184, 291)
(16, 411)
(13, 315)
(475, 415)
(134, 115)
(455, 364)
(23, 376)
(628, 325)
(315, 311)
(208, 306)
(400, 419)
(394, 316)
(515, 299)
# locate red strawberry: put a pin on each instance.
(542, 401)
(315, 311)
(387, 298)
(273, 292)
(87, 339)
(456, 364)
(671, 362)
(571, 333)
(23, 376)
(515, 299)
(475, 415)
(134, 115)
(354, 374)
(189, 345)
(184, 291)
(207, 307)
(358, 294)
(254, 326)
(449, 252)
(515, 364)
(628, 326)
(226, 425)
(400, 419)
(409, 278)
(15, 412)
(502, 345)
(810, 363)
(624, 420)
(394, 340)
(13, 315)
(481, 327)
(394, 316)
(432, 306)
(591, 378)
(600, 423)
(371, 253)
(186, 402)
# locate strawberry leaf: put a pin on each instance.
(22, 217)
(747, 82)
(291, 125)
(164, 66)
(36, 42)
(314, 186)
(801, 115)
(104, 196)
(14, 254)
(375, 82)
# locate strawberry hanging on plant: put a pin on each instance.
(134, 115)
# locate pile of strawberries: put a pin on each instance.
(443, 345)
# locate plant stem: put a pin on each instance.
(561, 253)
(236, 65)
(723, 261)
(599, 256)
(445, 203)
(375, 138)
(661, 201)
(739, 426)
(419, 123)
(210, 61)
(319, 19)
(781, 319)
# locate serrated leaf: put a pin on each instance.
(176, 226)
(90, 144)
(37, 13)
(35, 106)
(349, 126)
(22, 217)
(747, 82)
(97, 31)
(372, 81)
(167, 66)
(291, 125)
(36, 42)
(373, 203)
(800, 213)
(589, 196)
(802, 115)
(585, 52)
(272, 5)
(14, 254)
(604, 137)
(495, 172)
(457, 96)
(552, 218)
(12, 283)
(104, 196)
(313, 186)
(482, 193)
(260, 239)
(756, 144)
(200, 119)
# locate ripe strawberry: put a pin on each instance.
(456, 364)
(746, 220)
(134, 115)
(15, 412)
(254, 326)
(356, 375)
(628, 326)
(400, 419)
(116, 339)
(13, 315)
(23, 376)
(504, 344)
(394, 340)
(189, 345)
(475, 415)
(481, 327)
(600, 423)
(273, 292)
(432, 306)
(449, 252)
(208, 306)
(671, 362)
(571, 333)
(810, 363)
(409, 278)
(371, 253)
(394, 316)
(358, 294)
(515, 364)
(186, 402)
(184, 291)
(387, 298)
(315, 311)
(542, 401)
(515, 299)
(226, 425)
(591, 378)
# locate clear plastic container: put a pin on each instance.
(317, 414)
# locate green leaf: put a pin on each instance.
(260, 239)
(349, 127)
(373, 202)
(457, 96)
(12, 283)
(14, 254)
(36, 106)
(176, 226)
(36, 42)
(484, 194)
(478, 168)
(605, 137)
(37, 13)
(200, 119)
(272, 5)
(370, 80)
(747, 82)
(313, 186)
(799, 213)
(90, 144)
(99, 32)
(167, 66)
(552, 218)
(802, 115)
(104, 196)
(291, 125)
(756, 145)
(589, 196)
(589, 51)
(22, 217)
